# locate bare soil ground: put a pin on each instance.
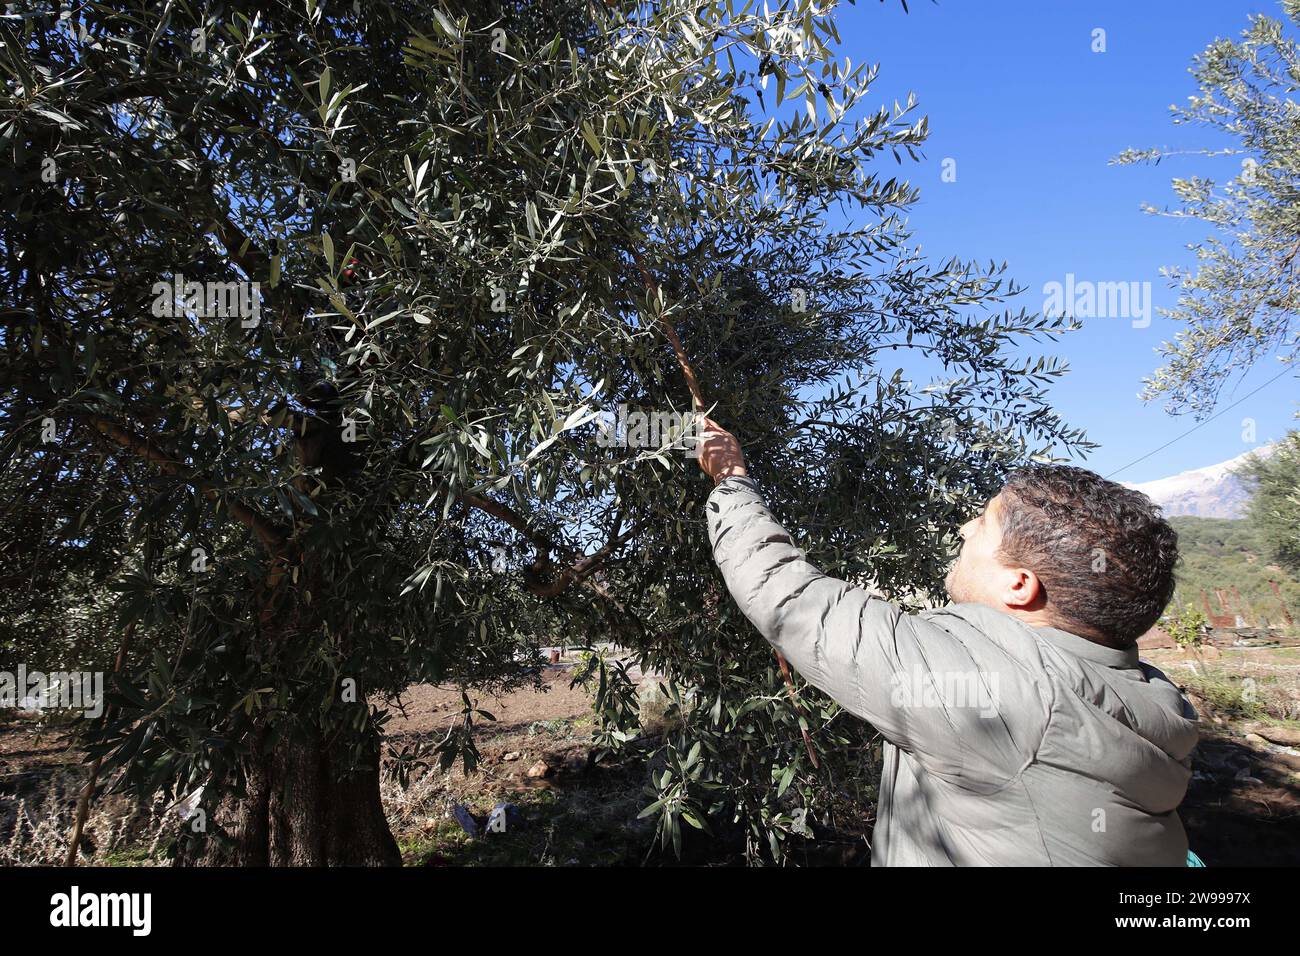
(1243, 805)
(536, 758)
(1242, 808)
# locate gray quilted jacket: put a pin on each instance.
(1006, 744)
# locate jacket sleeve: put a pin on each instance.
(906, 676)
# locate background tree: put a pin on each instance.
(1274, 509)
(1239, 302)
(468, 223)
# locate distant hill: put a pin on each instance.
(1219, 554)
(1209, 492)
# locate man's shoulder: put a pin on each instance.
(993, 642)
(1002, 656)
(980, 623)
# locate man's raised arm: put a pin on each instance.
(863, 651)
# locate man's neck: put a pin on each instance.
(1043, 618)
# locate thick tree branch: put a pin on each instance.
(272, 535)
(583, 568)
(511, 517)
(577, 572)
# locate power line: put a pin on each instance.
(1201, 424)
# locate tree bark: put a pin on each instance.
(308, 801)
(303, 806)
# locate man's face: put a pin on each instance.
(977, 576)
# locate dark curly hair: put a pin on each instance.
(1103, 553)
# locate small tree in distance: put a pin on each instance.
(1274, 509)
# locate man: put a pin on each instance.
(1020, 726)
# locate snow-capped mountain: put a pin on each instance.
(1209, 492)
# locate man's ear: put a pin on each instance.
(1023, 589)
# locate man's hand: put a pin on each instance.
(720, 454)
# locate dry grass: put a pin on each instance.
(1257, 685)
(34, 829)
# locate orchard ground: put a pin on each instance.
(1242, 808)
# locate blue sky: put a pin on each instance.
(1031, 116)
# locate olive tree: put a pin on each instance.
(1274, 509)
(1238, 302)
(437, 245)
